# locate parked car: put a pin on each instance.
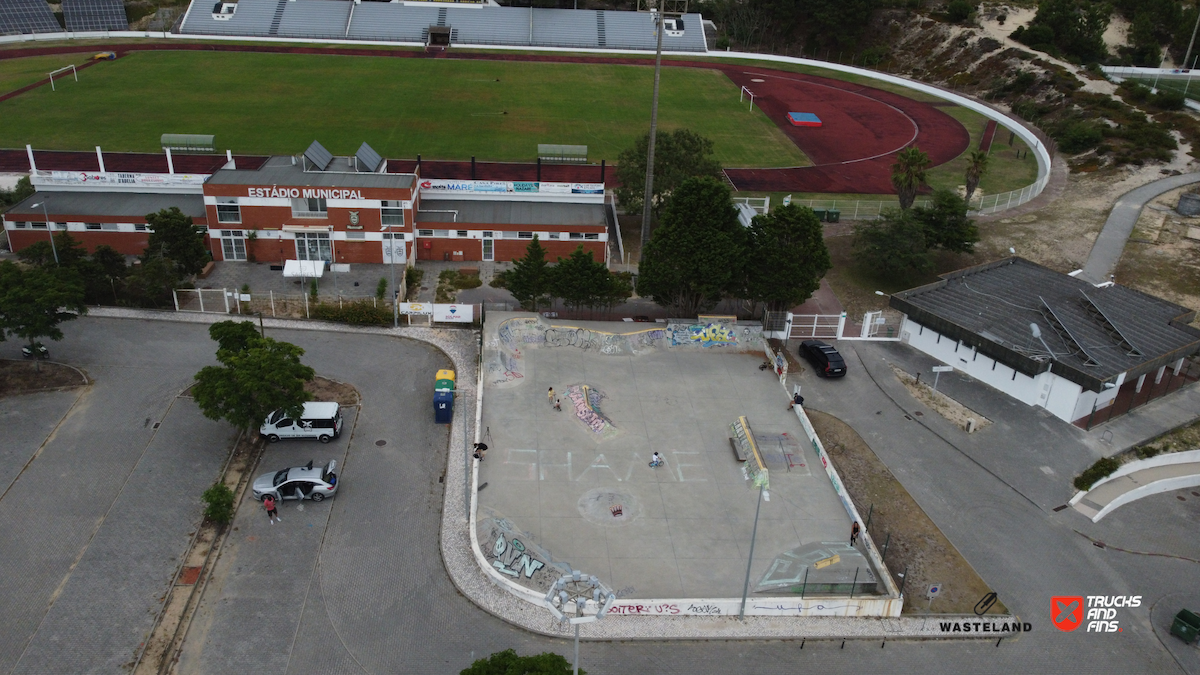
(320, 420)
(826, 360)
(298, 482)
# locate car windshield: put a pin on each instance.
(275, 416)
(279, 478)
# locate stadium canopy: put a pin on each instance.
(562, 154)
(188, 142)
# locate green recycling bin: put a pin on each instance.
(443, 385)
(822, 214)
(834, 216)
(1186, 626)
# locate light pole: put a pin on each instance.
(578, 589)
(762, 492)
(49, 228)
(658, 27)
(1191, 42)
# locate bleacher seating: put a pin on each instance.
(396, 22)
(21, 17)
(94, 15)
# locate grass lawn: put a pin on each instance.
(17, 73)
(442, 109)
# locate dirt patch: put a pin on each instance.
(915, 544)
(27, 377)
(1160, 258)
(954, 412)
(325, 389)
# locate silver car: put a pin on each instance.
(298, 482)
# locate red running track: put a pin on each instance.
(853, 150)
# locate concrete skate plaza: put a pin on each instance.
(574, 486)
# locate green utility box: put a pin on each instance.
(834, 216)
(822, 214)
(1186, 626)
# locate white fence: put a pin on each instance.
(881, 326)
(1006, 200)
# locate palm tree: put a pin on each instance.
(977, 165)
(908, 174)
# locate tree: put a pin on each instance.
(508, 663)
(151, 282)
(33, 302)
(175, 237)
(946, 224)
(23, 190)
(581, 281)
(908, 174)
(529, 279)
(787, 257)
(894, 245)
(698, 251)
(103, 275)
(678, 156)
(218, 503)
(257, 376)
(977, 166)
(41, 254)
(1076, 27)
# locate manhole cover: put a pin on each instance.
(608, 507)
(381, 443)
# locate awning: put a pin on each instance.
(309, 269)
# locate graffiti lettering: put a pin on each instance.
(585, 401)
(704, 609)
(645, 609)
(703, 335)
(512, 559)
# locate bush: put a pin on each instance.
(1168, 100)
(1148, 451)
(381, 288)
(722, 43)
(413, 277)
(218, 501)
(361, 313)
(1102, 468)
(958, 11)
(500, 279)
(1077, 137)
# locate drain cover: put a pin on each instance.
(381, 442)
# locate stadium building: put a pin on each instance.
(312, 206)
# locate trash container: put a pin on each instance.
(834, 216)
(821, 214)
(443, 407)
(444, 375)
(443, 385)
(1186, 626)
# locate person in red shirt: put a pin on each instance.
(272, 513)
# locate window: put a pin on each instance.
(38, 226)
(91, 226)
(20, 225)
(441, 233)
(110, 227)
(140, 227)
(591, 235)
(309, 208)
(525, 235)
(392, 213)
(577, 235)
(487, 235)
(461, 233)
(228, 210)
(356, 235)
(509, 235)
(313, 246)
(424, 233)
(554, 235)
(231, 233)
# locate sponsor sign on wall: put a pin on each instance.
(495, 186)
(415, 308)
(454, 313)
(111, 178)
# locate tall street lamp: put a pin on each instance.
(658, 27)
(49, 228)
(578, 589)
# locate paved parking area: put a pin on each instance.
(683, 530)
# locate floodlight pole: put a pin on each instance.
(1191, 42)
(395, 291)
(49, 229)
(753, 536)
(658, 26)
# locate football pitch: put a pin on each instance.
(258, 103)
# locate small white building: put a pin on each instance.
(1052, 340)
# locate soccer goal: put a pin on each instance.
(746, 93)
(62, 70)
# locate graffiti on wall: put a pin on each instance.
(512, 554)
(585, 404)
(703, 335)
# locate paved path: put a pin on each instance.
(1106, 252)
(1102, 496)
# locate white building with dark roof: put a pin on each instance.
(1052, 340)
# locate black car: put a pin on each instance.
(825, 359)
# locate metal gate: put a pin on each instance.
(209, 300)
(814, 326)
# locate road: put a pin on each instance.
(373, 596)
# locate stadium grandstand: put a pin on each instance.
(468, 23)
(22, 17)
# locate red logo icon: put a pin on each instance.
(1066, 612)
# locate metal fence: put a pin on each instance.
(286, 305)
(855, 209)
(1006, 200)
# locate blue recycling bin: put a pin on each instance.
(443, 407)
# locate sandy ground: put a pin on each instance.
(954, 412)
(1161, 258)
(1021, 16)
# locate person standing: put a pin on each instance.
(558, 404)
(550, 395)
(272, 513)
(480, 451)
(854, 530)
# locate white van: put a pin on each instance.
(320, 420)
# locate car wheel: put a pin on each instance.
(325, 438)
(317, 496)
(272, 438)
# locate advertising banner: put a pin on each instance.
(454, 313)
(495, 186)
(82, 177)
(415, 308)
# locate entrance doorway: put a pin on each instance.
(489, 253)
(233, 245)
(313, 246)
(393, 249)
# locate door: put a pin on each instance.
(233, 248)
(393, 249)
(313, 246)
(488, 251)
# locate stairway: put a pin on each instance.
(278, 17)
(600, 39)
(442, 17)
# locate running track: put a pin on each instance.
(852, 152)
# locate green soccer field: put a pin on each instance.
(443, 109)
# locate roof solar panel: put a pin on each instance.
(318, 155)
(94, 15)
(368, 158)
(27, 16)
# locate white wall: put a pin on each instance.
(1061, 397)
